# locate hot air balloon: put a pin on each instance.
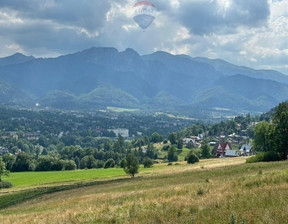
(144, 13)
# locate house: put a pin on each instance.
(221, 148)
(32, 135)
(3, 151)
(189, 142)
(231, 153)
(124, 132)
(212, 143)
(246, 150)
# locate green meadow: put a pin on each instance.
(26, 180)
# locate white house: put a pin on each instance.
(246, 150)
(124, 132)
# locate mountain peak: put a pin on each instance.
(99, 51)
(130, 53)
(15, 59)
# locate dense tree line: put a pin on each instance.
(272, 136)
(61, 157)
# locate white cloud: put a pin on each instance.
(245, 32)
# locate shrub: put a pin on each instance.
(147, 162)
(5, 184)
(200, 191)
(69, 165)
(271, 156)
(88, 162)
(192, 158)
(122, 163)
(45, 163)
(264, 157)
(99, 164)
(110, 163)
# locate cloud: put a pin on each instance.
(87, 13)
(204, 17)
(245, 32)
(51, 25)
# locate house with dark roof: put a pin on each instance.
(221, 148)
(246, 150)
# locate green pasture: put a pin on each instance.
(35, 179)
(183, 154)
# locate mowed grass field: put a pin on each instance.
(211, 191)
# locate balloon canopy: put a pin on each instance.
(144, 13)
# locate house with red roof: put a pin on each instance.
(221, 148)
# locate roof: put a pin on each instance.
(231, 153)
(247, 147)
(222, 147)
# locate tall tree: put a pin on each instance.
(180, 144)
(280, 120)
(3, 171)
(205, 151)
(264, 133)
(172, 154)
(24, 162)
(132, 165)
(172, 138)
(9, 160)
(156, 137)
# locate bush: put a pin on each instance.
(69, 165)
(88, 162)
(110, 163)
(147, 162)
(122, 163)
(5, 184)
(99, 164)
(200, 191)
(264, 157)
(192, 158)
(45, 163)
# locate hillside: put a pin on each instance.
(243, 92)
(225, 189)
(101, 77)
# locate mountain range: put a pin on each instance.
(101, 77)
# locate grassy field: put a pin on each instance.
(212, 191)
(26, 180)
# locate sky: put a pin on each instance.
(251, 33)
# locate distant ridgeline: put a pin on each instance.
(101, 77)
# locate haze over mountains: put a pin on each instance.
(100, 77)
